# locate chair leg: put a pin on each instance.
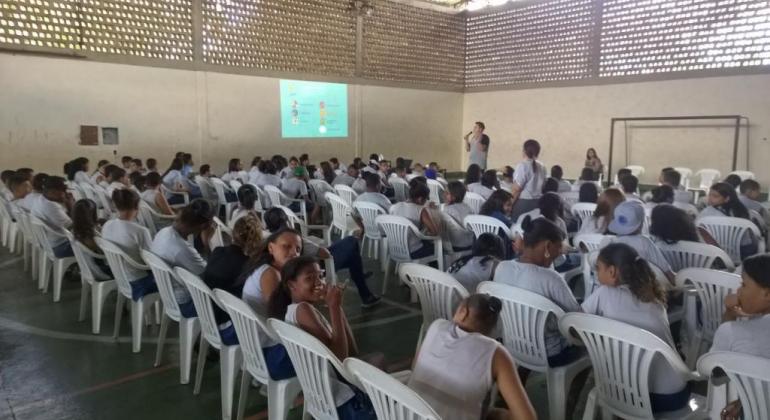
(188, 332)
(58, 276)
(26, 249)
(162, 339)
(693, 349)
(98, 297)
(280, 398)
(590, 411)
(84, 289)
(35, 268)
(45, 269)
(118, 315)
(203, 348)
(557, 396)
(243, 395)
(386, 278)
(229, 362)
(137, 314)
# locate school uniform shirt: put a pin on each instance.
(564, 186)
(177, 252)
(344, 179)
(95, 177)
(412, 212)
(474, 272)
(286, 172)
(530, 180)
(294, 187)
(230, 176)
(547, 283)
(481, 190)
(754, 205)
(453, 371)
(506, 186)
(253, 174)
(359, 186)
(682, 196)
(172, 179)
(375, 198)
(268, 179)
(55, 216)
(459, 236)
(620, 304)
(633, 197)
(645, 247)
(29, 201)
(748, 336)
(131, 238)
(149, 196)
(82, 178)
(114, 186)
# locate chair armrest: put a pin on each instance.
(135, 264)
(402, 376)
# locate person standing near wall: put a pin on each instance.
(477, 144)
(528, 179)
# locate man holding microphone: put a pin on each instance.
(477, 144)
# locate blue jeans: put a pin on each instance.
(143, 287)
(426, 250)
(347, 255)
(228, 336)
(670, 402)
(188, 310)
(278, 362)
(357, 408)
(63, 250)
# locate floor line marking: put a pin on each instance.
(401, 306)
(383, 321)
(42, 332)
(10, 262)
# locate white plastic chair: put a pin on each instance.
(570, 198)
(208, 192)
(591, 241)
(347, 193)
(252, 332)
(99, 290)
(744, 175)
(372, 239)
(168, 192)
(525, 315)
(707, 177)
(392, 400)
(479, 224)
(636, 170)
(278, 198)
(118, 261)
(49, 262)
(621, 355)
(341, 219)
(583, 211)
(439, 293)
(305, 228)
(218, 238)
(400, 188)
(728, 232)
(686, 174)
(688, 208)
(686, 254)
(189, 328)
(106, 202)
(474, 201)
(29, 247)
(397, 231)
(229, 356)
(436, 191)
(315, 365)
(235, 185)
(221, 188)
(149, 218)
(749, 374)
(10, 229)
(712, 287)
(318, 190)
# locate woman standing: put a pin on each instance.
(528, 179)
(593, 162)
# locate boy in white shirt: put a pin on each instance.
(557, 173)
(347, 178)
(372, 193)
(455, 208)
(750, 192)
(38, 181)
(54, 209)
(630, 185)
(118, 180)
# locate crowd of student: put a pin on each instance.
(278, 271)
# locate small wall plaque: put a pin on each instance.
(110, 135)
(89, 135)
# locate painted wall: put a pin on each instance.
(568, 120)
(215, 116)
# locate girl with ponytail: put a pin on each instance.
(458, 363)
(528, 179)
(630, 293)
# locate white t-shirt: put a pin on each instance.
(177, 252)
(375, 198)
(620, 304)
(294, 188)
(252, 291)
(453, 371)
(531, 182)
(343, 179)
(55, 216)
(645, 247)
(114, 186)
(749, 336)
(481, 190)
(458, 235)
(547, 283)
(149, 196)
(172, 179)
(474, 272)
(131, 238)
(359, 186)
(82, 177)
(29, 201)
(254, 174)
(230, 176)
(268, 179)
(564, 186)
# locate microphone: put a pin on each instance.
(469, 133)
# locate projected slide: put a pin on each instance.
(313, 109)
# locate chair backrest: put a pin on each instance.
(319, 188)
(474, 201)
(712, 287)
(202, 299)
(583, 211)
(439, 292)
(314, 364)
(164, 276)
(686, 174)
(479, 224)
(249, 328)
(689, 208)
(369, 213)
(707, 177)
(590, 241)
(744, 175)
(218, 239)
(749, 374)
(621, 355)
(570, 198)
(89, 192)
(294, 220)
(276, 196)
(400, 188)
(82, 254)
(104, 199)
(340, 210)
(347, 193)
(207, 189)
(117, 259)
(41, 231)
(686, 254)
(524, 317)
(144, 218)
(263, 201)
(392, 400)
(235, 185)
(396, 229)
(436, 191)
(22, 217)
(728, 232)
(76, 191)
(220, 187)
